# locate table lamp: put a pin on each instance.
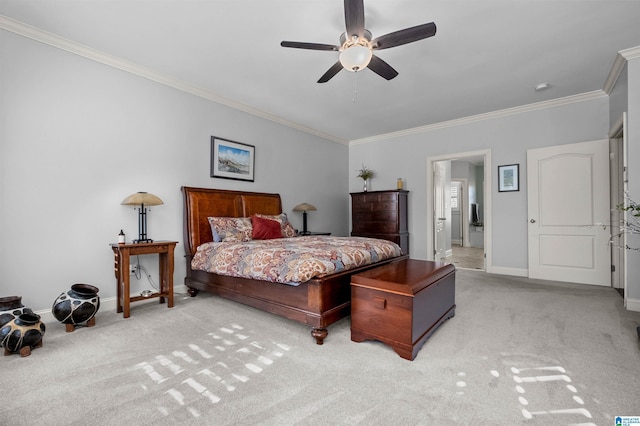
(304, 208)
(142, 199)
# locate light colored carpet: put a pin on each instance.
(517, 352)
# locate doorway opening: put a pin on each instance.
(467, 239)
(458, 218)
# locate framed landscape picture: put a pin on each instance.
(232, 160)
(509, 178)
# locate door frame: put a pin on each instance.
(441, 218)
(619, 186)
(486, 209)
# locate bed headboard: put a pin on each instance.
(201, 203)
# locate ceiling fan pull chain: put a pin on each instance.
(355, 86)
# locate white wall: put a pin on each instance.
(508, 137)
(633, 175)
(77, 137)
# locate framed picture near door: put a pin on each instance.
(509, 178)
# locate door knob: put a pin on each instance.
(532, 221)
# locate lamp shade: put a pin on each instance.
(356, 57)
(140, 198)
(305, 207)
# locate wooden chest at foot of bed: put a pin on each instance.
(402, 303)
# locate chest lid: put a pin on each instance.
(408, 276)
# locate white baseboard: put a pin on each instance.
(516, 272)
(633, 305)
(107, 304)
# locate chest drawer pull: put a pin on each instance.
(379, 302)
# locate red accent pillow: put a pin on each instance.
(265, 229)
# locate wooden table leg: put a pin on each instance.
(118, 265)
(126, 285)
(170, 277)
(163, 275)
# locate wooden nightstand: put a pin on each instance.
(122, 254)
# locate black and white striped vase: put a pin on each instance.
(77, 305)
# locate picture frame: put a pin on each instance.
(509, 178)
(232, 160)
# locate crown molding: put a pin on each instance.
(596, 94)
(34, 33)
(618, 65)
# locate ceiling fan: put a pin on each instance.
(356, 46)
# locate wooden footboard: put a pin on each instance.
(318, 302)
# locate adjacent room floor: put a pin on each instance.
(467, 257)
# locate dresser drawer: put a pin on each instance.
(373, 197)
(364, 198)
(389, 205)
(362, 207)
(373, 227)
(374, 207)
(383, 216)
(388, 196)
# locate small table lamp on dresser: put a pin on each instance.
(142, 199)
(304, 208)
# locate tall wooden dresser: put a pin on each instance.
(381, 214)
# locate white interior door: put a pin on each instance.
(458, 218)
(568, 205)
(439, 216)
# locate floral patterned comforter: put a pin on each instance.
(291, 260)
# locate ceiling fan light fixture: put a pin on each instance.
(356, 57)
(357, 45)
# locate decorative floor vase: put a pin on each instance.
(10, 308)
(76, 306)
(22, 334)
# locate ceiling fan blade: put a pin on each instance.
(354, 17)
(311, 46)
(408, 35)
(382, 68)
(335, 69)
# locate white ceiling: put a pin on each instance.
(487, 55)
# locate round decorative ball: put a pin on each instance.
(22, 333)
(77, 305)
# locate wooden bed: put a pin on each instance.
(318, 302)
